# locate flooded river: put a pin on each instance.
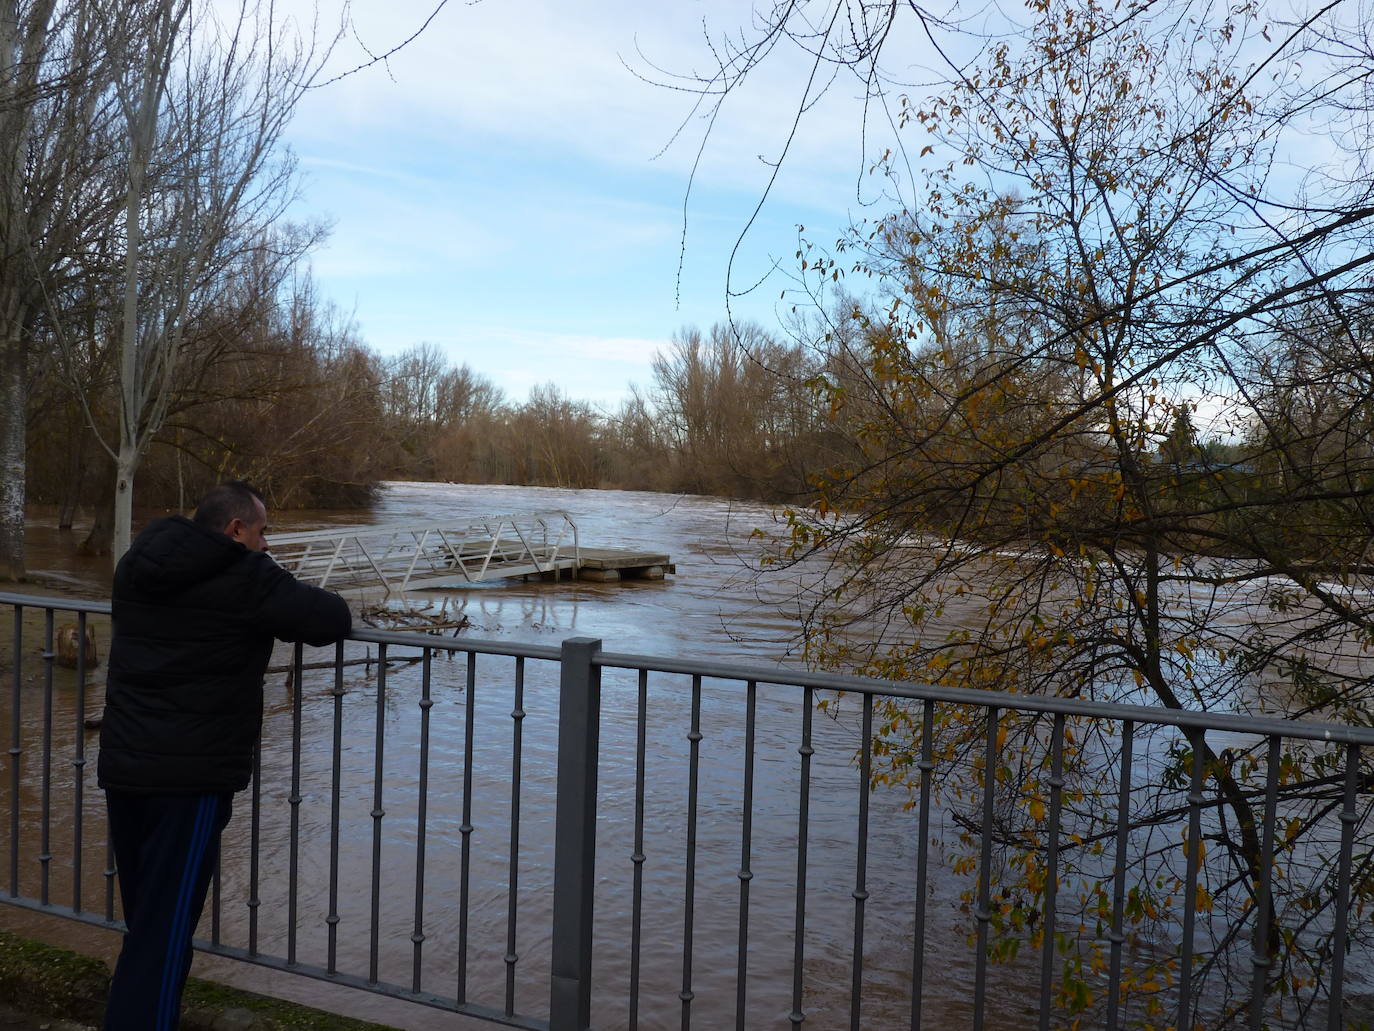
(713, 608)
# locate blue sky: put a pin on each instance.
(501, 187)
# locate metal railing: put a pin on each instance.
(709, 851)
(406, 556)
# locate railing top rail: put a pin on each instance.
(838, 682)
(414, 639)
(37, 601)
(455, 524)
(1182, 718)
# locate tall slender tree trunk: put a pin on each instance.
(102, 517)
(130, 378)
(74, 473)
(13, 443)
(141, 130)
(142, 115)
(13, 357)
(97, 542)
(126, 464)
(23, 40)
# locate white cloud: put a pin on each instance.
(555, 75)
(495, 191)
(586, 367)
(579, 346)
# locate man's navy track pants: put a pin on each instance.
(165, 849)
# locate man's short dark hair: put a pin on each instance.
(232, 499)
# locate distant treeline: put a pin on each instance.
(290, 397)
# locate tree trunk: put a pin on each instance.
(97, 542)
(130, 364)
(13, 391)
(74, 475)
(136, 359)
(23, 42)
(125, 467)
(66, 513)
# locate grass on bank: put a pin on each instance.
(48, 981)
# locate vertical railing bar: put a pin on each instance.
(335, 787)
(216, 896)
(746, 873)
(803, 831)
(1335, 1020)
(1117, 934)
(1260, 959)
(517, 716)
(216, 899)
(1050, 913)
(45, 833)
(860, 892)
(983, 911)
(574, 863)
(690, 886)
(79, 765)
(417, 934)
(16, 750)
(1194, 862)
(926, 764)
(465, 829)
(110, 873)
(637, 857)
(254, 850)
(379, 749)
(294, 800)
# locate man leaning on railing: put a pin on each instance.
(196, 605)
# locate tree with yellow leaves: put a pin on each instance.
(1107, 435)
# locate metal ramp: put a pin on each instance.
(409, 556)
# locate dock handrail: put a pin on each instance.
(397, 557)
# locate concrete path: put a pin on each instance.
(13, 1020)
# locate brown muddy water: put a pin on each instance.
(712, 609)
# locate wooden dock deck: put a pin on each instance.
(606, 565)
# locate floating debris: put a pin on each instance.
(413, 617)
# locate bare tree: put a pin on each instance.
(206, 104)
(170, 111)
(55, 73)
(736, 407)
(1109, 229)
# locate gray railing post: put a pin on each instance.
(574, 871)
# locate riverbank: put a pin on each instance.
(43, 983)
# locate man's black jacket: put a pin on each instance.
(195, 613)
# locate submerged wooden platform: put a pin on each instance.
(607, 565)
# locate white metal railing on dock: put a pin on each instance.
(406, 556)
